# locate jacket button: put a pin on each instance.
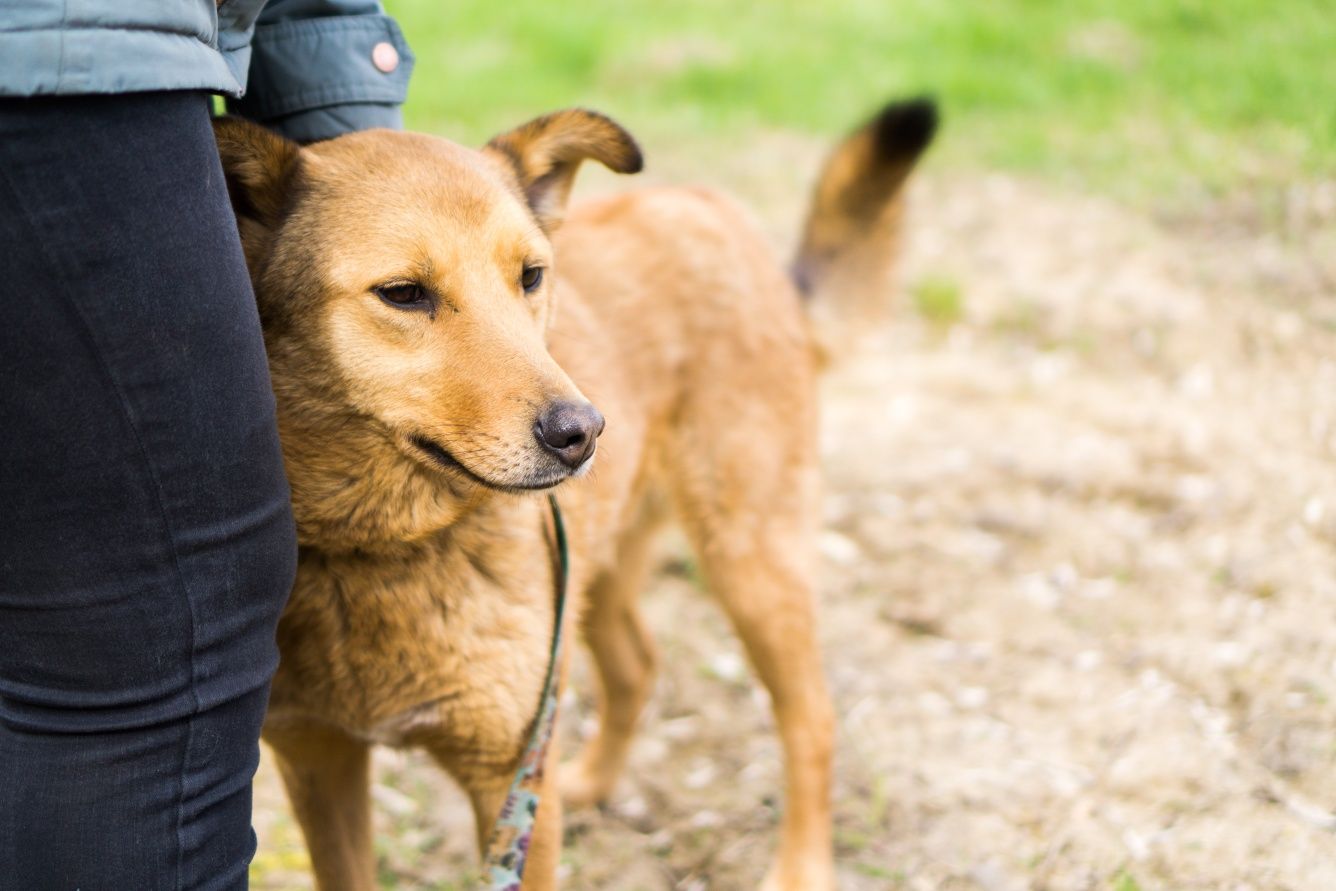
(385, 57)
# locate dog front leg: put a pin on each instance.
(327, 775)
(487, 790)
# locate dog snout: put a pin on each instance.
(569, 431)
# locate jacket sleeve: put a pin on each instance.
(320, 68)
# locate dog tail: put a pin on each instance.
(846, 260)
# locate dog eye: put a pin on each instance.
(531, 278)
(411, 296)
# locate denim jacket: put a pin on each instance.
(311, 69)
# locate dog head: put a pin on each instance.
(406, 286)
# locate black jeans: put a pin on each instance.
(146, 539)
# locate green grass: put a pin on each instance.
(1140, 97)
(1124, 881)
(939, 300)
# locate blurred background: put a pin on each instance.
(1080, 541)
(1159, 99)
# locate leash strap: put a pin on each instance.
(508, 848)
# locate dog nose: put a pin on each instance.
(569, 431)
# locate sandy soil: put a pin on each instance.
(1080, 598)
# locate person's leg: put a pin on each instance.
(146, 540)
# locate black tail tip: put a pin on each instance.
(904, 128)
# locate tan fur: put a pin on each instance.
(423, 608)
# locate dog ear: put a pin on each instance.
(258, 165)
(545, 153)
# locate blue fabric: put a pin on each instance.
(302, 67)
(147, 545)
(311, 70)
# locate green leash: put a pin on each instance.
(508, 848)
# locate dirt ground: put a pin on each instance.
(1080, 593)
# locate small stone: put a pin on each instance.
(840, 549)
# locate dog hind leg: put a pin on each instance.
(753, 529)
(626, 660)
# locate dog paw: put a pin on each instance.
(810, 876)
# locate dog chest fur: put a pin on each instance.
(445, 639)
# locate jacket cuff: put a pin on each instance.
(316, 78)
(335, 120)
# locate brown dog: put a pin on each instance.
(425, 354)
